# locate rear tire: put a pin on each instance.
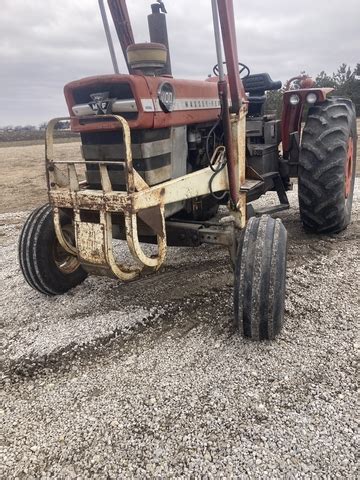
(326, 172)
(260, 278)
(45, 265)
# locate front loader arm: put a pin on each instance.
(234, 123)
(121, 19)
(227, 21)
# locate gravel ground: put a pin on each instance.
(149, 379)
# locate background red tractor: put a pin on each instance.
(162, 154)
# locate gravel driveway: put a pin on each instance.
(148, 379)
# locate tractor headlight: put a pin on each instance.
(311, 98)
(294, 99)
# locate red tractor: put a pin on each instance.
(162, 154)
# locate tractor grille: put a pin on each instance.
(119, 91)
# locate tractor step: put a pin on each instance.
(271, 181)
(250, 184)
(270, 210)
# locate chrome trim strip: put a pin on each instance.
(149, 105)
(119, 106)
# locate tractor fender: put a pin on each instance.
(292, 114)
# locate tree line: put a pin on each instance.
(33, 128)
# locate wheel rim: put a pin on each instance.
(65, 262)
(349, 167)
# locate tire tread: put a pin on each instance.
(34, 253)
(259, 290)
(322, 168)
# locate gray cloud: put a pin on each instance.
(44, 45)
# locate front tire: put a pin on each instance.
(260, 278)
(45, 265)
(327, 166)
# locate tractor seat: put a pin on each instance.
(259, 83)
(256, 85)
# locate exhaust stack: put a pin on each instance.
(158, 31)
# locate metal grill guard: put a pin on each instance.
(94, 240)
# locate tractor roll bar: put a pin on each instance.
(218, 45)
(108, 36)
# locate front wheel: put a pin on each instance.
(260, 278)
(46, 266)
(327, 166)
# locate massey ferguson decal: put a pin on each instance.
(101, 104)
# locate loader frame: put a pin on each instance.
(93, 241)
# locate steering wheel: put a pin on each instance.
(242, 66)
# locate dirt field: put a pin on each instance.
(149, 380)
(22, 183)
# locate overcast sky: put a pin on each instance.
(46, 43)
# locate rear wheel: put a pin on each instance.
(46, 266)
(327, 166)
(260, 278)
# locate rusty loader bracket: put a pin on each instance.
(93, 241)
